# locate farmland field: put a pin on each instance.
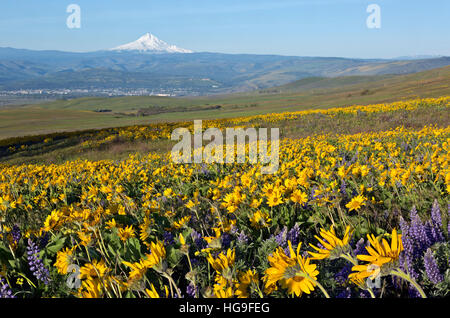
(359, 207)
(315, 93)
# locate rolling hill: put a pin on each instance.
(191, 74)
(316, 92)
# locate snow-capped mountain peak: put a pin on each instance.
(150, 43)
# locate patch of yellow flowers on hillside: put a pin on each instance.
(137, 199)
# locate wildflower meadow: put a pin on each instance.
(364, 215)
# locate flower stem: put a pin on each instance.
(349, 258)
(315, 282)
(409, 279)
(320, 287)
(371, 292)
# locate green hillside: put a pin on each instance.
(317, 92)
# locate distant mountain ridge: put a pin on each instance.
(135, 66)
(151, 44)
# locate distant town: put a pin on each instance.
(22, 96)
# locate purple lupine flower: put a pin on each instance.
(280, 238)
(448, 223)
(36, 265)
(436, 214)
(396, 282)
(435, 223)
(405, 146)
(168, 238)
(346, 293)
(162, 199)
(175, 294)
(191, 291)
(431, 268)
(293, 235)
(43, 240)
(342, 276)
(407, 256)
(226, 240)
(343, 189)
(413, 293)
(360, 248)
(313, 195)
(417, 230)
(354, 158)
(364, 294)
(204, 170)
(418, 238)
(193, 219)
(16, 234)
(434, 234)
(242, 238)
(5, 291)
(198, 240)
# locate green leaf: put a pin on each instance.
(113, 251)
(5, 254)
(173, 256)
(56, 244)
(133, 249)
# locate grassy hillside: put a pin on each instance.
(309, 93)
(117, 143)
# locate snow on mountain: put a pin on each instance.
(150, 43)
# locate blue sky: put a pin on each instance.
(286, 27)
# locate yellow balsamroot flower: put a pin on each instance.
(181, 222)
(290, 184)
(364, 170)
(111, 224)
(224, 224)
(274, 199)
(85, 238)
(90, 288)
(145, 230)
(126, 233)
(64, 258)
(382, 257)
(224, 293)
(182, 240)
(333, 247)
(190, 204)
(157, 254)
(138, 271)
(359, 280)
(94, 269)
(223, 287)
(299, 197)
(293, 272)
(221, 291)
(268, 189)
(152, 293)
(223, 261)
(53, 220)
(246, 279)
(255, 203)
(260, 219)
(168, 193)
(214, 243)
(121, 210)
(356, 203)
